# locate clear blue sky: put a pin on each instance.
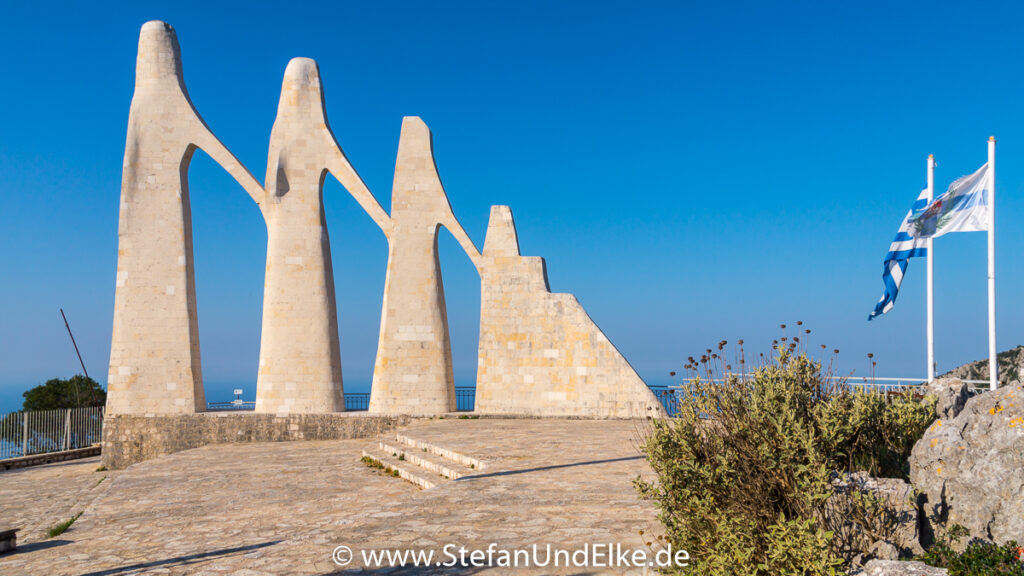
(691, 171)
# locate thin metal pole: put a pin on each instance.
(993, 373)
(24, 434)
(73, 343)
(929, 244)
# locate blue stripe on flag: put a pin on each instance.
(904, 254)
(903, 247)
(892, 286)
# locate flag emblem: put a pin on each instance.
(962, 208)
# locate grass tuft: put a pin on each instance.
(59, 529)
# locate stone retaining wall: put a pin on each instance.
(128, 439)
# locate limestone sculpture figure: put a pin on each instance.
(154, 354)
(300, 356)
(540, 354)
(413, 371)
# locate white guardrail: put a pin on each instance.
(897, 383)
(879, 384)
(27, 433)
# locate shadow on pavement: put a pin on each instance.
(181, 560)
(553, 467)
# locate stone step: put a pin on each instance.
(467, 461)
(404, 470)
(426, 460)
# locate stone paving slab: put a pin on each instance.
(34, 499)
(281, 508)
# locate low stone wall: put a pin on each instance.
(50, 457)
(128, 439)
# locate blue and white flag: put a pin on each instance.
(963, 208)
(903, 247)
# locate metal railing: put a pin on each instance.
(42, 431)
(876, 383)
(231, 406)
(669, 396)
(885, 385)
(357, 401)
(465, 400)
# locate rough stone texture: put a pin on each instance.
(300, 358)
(898, 517)
(539, 352)
(901, 568)
(970, 467)
(952, 395)
(281, 508)
(884, 550)
(128, 439)
(154, 354)
(413, 370)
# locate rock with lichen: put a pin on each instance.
(951, 396)
(970, 469)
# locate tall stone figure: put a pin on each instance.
(300, 359)
(154, 356)
(413, 370)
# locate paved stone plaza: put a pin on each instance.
(282, 508)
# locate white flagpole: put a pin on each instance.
(993, 373)
(930, 292)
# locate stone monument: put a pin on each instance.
(540, 354)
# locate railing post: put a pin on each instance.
(24, 433)
(67, 430)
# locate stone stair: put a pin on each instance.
(424, 464)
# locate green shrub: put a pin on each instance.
(979, 558)
(745, 472)
(870, 432)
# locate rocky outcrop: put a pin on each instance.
(970, 468)
(1011, 368)
(952, 395)
(875, 517)
(898, 568)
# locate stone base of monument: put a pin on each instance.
(128, 439)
